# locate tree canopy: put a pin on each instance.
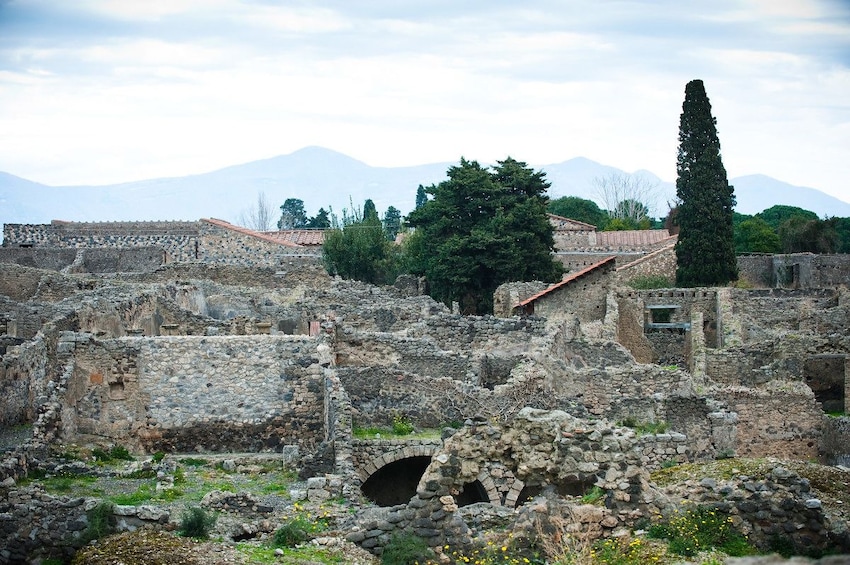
(359, 250)
(292, 214)
(321, 220)
(580, 209)
(705, 249)
(754, 235)
(777, 215)
(392, 222)
(483, 228)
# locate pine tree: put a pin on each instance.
(706, 250)
(482, 228)
(421, 196)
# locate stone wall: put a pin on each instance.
(230, 393)
(179, 239)
(223, 245)
(780, 419)
(585, 297)
(659, 263)
(835, 443)
(541, 450)
(95, 260)
(798, 270)
(207, 241)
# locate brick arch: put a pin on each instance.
(490, 488)
(388, 457)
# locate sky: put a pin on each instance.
(108, 91)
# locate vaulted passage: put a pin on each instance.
(825, 375)
(472, 492)
(395, 483)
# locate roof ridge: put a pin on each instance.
(249, 232)
(567, 280)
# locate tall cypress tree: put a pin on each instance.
(706, 248)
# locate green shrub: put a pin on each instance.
(699, 529)
(120, 453)
(195, 522)
(406, 548)
(158, 456)
(649, 282)
(292, 532)
(401, 425)
(644, 428)
(192, 462)
(595, 494)
(298, 529)
(101, 522)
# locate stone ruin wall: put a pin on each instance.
(172, 242)
(86, 260)
(180, 240)
(659, 263)
(229, 393)
(585, 298)
(798, 270)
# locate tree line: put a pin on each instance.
(482, 227)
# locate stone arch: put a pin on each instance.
(405, 452)
(490, 488)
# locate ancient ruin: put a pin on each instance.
(199, 338)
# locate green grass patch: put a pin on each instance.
(265, 555)
(592, 496)
(193, 462)
(698, 529)
(68, 483)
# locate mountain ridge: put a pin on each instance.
(326, 178)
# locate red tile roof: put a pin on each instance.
(246, 231)
(299, 237)
(568, 280)
(631, 238)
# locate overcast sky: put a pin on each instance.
(105, 91)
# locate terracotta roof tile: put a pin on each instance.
(630, 238)
(299, 237)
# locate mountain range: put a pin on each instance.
(325, 178)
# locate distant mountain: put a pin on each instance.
(322, 178)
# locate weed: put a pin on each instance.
(406, 548)
(192, 462)
(644, 428)
(626, 551)
(142, 474)
(195, 522)
(402, 425)
(144, 493)
(115, 453)
(668, 464)
(67, 483)
(298, 529)
(700, 529)
(101, 522)
(179, 476)
(595, 494)
(158, 456)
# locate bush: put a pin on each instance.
(293, 532)
(299, 528)
(700, 529)
(401, 425)
(195, 522)
(101, 522)
(649, 282)
(406, 548)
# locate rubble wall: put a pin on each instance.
(229, 393)
(179, 239)
(97, 260)
(660, 263)
(779, 420)
(585, 298)
(220, 245)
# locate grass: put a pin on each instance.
(195, 522)
(263, 555)
(595, 494)
(698, 529)
(374, 432)
(650, 282)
